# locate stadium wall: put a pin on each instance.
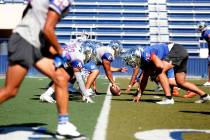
(10, 15)
(197, 67)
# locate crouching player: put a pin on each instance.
(73, 64)
(147, 70)
(164, 57)
(103, 56)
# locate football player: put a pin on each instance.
(27, 45)
(161, 58)
(73, 66)
(130, 59)
(104, 55)
(205, 34)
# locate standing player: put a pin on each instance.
(205, 34)
(35, 33)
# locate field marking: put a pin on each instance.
(102, 122)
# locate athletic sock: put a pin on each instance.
(169, 97)
(49, 91)
(205, 95)
(62, 119)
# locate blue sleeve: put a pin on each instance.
(107, 56)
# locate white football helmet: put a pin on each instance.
(202, 26)
(116, 46)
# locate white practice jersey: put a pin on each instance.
(104, 52)
(33, 22)
(75, 56)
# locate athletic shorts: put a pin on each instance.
(22, 52)
(178, 56)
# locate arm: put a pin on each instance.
(133, 78)
(49, 30)
(156, 60)
(144, 79)
(123, 69)
(107, 68)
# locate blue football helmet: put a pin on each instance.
(202, 26)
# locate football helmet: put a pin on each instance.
(116, 46)
(87, 49)
(202, 26)
(132, 57)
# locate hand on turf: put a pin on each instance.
(137, 99)
(128, 88)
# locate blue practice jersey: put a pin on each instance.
(205, 35)
(160, 50)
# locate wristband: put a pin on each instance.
(129, 86)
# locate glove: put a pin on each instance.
(60, 60)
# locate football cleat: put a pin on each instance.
(68, 131)
(175, 91)
(189, 94)
(203, 99)
(87, 99)
(206, 84)
(46, 98)
(166, 101)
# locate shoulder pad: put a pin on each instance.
(107, 56)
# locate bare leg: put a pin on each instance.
(91, 78)
(14, 77)
(60, 78)
(181, 81)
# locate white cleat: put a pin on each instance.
(159, 88)
(46, 98)
(68, 131)
(206, 84)
(166, 101)
(87, 99)
(203, 100)
(90, 92)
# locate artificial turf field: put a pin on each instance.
(25, 117)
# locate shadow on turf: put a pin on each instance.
(142, 100)
(198, 112)
(34, 128)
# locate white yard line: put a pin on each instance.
(102, 122)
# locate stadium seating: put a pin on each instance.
(136, 22)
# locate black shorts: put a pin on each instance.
(22, 52)
(178, 56)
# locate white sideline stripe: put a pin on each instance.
(102, 122)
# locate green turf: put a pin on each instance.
(126, 117)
